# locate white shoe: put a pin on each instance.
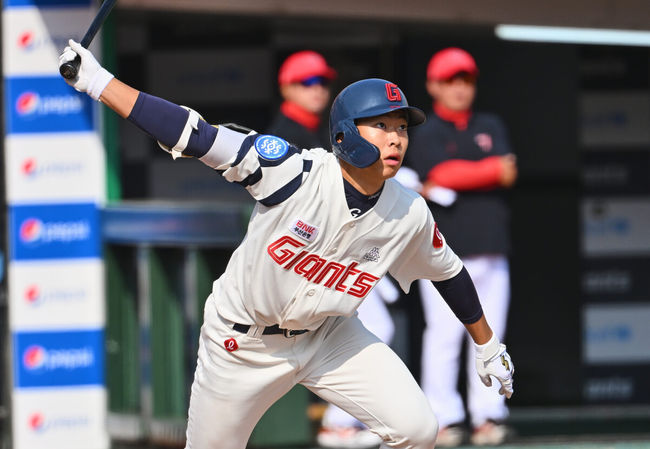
(451, 436)
(348, 438)
(490, 433)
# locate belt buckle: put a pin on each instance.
(288, 333)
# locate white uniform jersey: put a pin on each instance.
(305, 257)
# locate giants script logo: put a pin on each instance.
(392, 92)
(316, 269)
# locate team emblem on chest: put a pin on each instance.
(484, 141)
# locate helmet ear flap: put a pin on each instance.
(348, 145)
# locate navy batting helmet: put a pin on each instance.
(363, 99)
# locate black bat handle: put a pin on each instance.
(69, 70)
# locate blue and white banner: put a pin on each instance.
(47, 3)
(54, 231)
(55, 182)
(56, 359)
(46, 105)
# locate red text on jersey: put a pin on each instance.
(318, 270)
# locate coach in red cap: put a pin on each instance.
(304, 79)
(464, 160)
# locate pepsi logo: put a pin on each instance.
(34, 357)
(31, 103)
(33, 169)
(27, 103)
(31, 230)
(29, 166)
(32, 294)
(36, 296)
(36, 421)
(37, 358)
(26, 40)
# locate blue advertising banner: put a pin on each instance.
(47, 3)
(52, 359)
(54, 231)
(46, 104)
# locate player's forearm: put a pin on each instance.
(119, 97)
(460, 174)
(460, 295)
(479, 331)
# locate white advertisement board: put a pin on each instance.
(48, 295)
(618, 118)
(33, 38)
(47, 418)
(615, 226)
(616, 334)
(54, 167)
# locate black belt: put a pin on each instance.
(270, 330)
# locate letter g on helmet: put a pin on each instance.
(363, 99)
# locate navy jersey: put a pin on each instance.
(478, 221)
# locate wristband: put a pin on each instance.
(488, 350)
(99, 82)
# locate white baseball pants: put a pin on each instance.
(342, 362)
(442, 343)
(374, 315)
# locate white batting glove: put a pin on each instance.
(91, 78)
(493, 360)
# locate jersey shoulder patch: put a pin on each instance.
(271, 148)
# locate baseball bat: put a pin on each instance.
(69, 69)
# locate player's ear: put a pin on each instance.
(432, 88)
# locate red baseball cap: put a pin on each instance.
(302, 65)
(450, 61)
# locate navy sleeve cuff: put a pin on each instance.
(165, 121)
(459, 293)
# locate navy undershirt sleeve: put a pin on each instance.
(165, 121)
(459, 293)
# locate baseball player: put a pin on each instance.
(465, 162)
(304, 80)
(283, 312)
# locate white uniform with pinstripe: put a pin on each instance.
(307, 263)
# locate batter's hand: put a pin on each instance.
(493, 360)
(91, 78)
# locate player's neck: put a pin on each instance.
(300, 115)
(459, 118)
(364, 180)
